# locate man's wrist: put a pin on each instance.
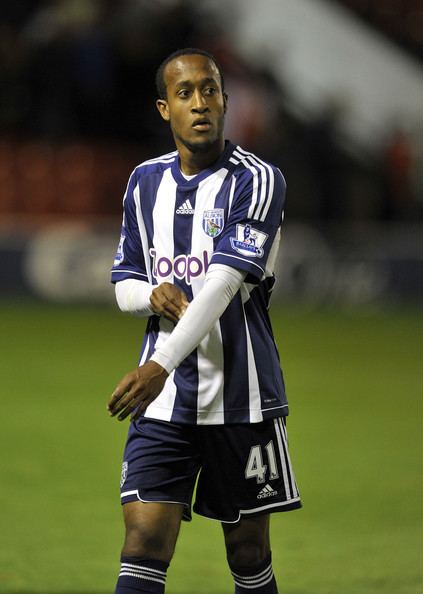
(164, 361)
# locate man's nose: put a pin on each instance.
(199, 103)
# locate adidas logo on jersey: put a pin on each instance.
(185, 208)
(267, 491)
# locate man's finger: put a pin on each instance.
(119, 392)
(140, 408)
(132, 400)
(172, 313)
(130, 407)
(119, 405)
(119, 400)
(114, 400)
(166, 309)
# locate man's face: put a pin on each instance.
(195, 105)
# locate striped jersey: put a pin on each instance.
(173, 229)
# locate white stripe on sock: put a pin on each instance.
(255, 586)
(142, 577)
(255, 576)
(133, 566)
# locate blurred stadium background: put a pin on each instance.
(331, 92)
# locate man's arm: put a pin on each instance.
(141, 386)
(140, 298)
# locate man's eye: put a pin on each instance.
(210, 91)
(183, 93)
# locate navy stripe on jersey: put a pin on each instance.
(236, 388)
(173, 228)
(266, 355)
(186, 375)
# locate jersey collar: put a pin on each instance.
(192, 184)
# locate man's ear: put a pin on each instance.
(163, 108)
(225, 101)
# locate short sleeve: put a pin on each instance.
(253, 224)
(129, 260)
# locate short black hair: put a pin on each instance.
(188, 51)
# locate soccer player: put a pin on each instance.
(199, 239)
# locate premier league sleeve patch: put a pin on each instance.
(213, 222)
(119, 254)
(248, 241)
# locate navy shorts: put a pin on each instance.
(242, 469)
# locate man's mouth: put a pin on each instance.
(202, 124)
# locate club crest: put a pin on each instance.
(213, 222)
(249, 241)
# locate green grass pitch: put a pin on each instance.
(356, 392)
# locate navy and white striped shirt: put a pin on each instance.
(173, 229)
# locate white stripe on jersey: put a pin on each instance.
(256, 416)
(249, 161)
(254, 171)
(145, 351)
(231, 194)
(163, 219)
(142, 230)
(168, 158)
(273, 254)
(245, 291)
(267, 199)
(134, 272)
(270, 195)
(161, 408)
(209, 351)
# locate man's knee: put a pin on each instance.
(246, 554)
(142, 541)
(247, 544)
(151, 530)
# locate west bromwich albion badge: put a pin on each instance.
(213, 222)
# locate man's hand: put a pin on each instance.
(136, 390)
(169, 301)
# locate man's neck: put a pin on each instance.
(192, 163)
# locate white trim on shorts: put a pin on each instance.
(245, 512)
(137, 493)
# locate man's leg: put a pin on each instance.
(151, 533)
(249, 557)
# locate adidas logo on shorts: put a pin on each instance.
(267, 491)
(185, 208)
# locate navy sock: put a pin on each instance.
(255, 580)
(138, 575)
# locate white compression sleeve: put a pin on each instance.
(134, 296)
(221, 284)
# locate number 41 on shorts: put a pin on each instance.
(256, 468)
